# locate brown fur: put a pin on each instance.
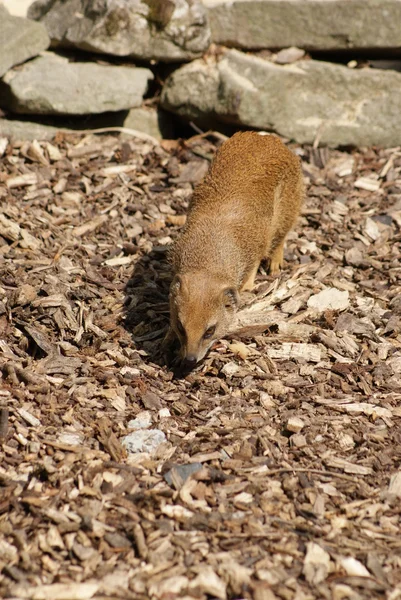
(238, 216)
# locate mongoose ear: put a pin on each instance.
(231, 298)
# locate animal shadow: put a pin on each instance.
(146, 306)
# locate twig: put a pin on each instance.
(134, 132)
(314, 471)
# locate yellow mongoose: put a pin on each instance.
(239, 215)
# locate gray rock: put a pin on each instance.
(312, 24)
(26, 130)
(142, 421)
(168, 30)
(289, 55)
(20, 40)
(156, 123)
(143, 440)
(151, 121)
(304, 101)
(178, 474)
(51, 85)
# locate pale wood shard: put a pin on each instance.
(295, 424)
(307, 352)
(394, 487)
(371, 184)
(60, 591)
(354, 567)
(22, 180)
(317, 564)
(35, 152)
(90, 226)
(347, 466)
(329, 299)
(278, 475)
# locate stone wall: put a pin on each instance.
(149, 65)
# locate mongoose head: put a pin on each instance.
(202, 308)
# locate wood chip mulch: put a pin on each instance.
(278, 475)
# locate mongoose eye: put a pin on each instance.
(180, 328)
(209, 332)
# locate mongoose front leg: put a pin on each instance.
(250, 280)
(277, 259)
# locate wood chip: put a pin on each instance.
(270, 471)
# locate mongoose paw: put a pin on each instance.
(275, 267)
(277, 260)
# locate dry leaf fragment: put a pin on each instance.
(9, 229)
(70, 438)
(27, 293)
(177, 512)
(354, 567)
(84, 150)
(345, 167)
(371, 184)
(371, 229)
(169, 588)
(240, 349)
(210, 583)
(308, 352)
(117, 169)
(54, 152)
(118, 261)
(35, 152)
(8, 552)
(298, 440)
(347, 466)
(30, 419)
(367, 409)
(109, 440)
(22, 180)
(395, 485)
(329, 299)
(263, 591)
(316, 565)
(40, 338)
(230, 369)
(295, 424)
(90, 226)
(58, 591)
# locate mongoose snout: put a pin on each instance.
(238, 216)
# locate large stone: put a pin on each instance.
(51, 85)
(308, 24)
(162, 30)
(26, 130)
(150, 121)
(304, 101)
(20, 39)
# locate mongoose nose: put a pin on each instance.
(190, 361)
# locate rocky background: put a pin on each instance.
(153, 65)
